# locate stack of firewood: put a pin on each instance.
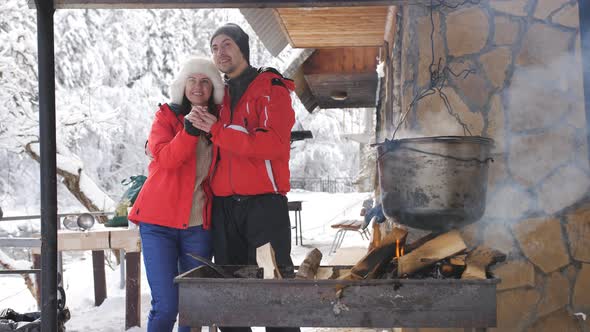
(433, 256)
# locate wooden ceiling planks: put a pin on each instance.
(134, 4)
(342, 60)
(335, 26)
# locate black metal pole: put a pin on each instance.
(45, 10)
(584, 9)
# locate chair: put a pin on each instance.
(358, 225)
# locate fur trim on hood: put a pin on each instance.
(197, 65)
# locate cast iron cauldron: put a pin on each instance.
(434, 183)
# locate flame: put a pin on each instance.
(399, 250)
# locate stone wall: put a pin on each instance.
(525, 92)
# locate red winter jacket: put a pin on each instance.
(167, 195)
(254, 147)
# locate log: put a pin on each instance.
(458, 260)
(418, 243)
(85, 196)
(370, 265)
(376, 238)
(265, 258)
(478, 260)
(325, 273)
(396, 234)
(309, 266)
(441, 247)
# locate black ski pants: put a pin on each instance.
(241, 224)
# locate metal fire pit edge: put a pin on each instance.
(375, 303)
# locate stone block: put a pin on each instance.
(561, 321)
(467, 31)
(512, 7)
(495, 63)
(578, 233)
(541, 241)
(556, 294)
(435, 120)
(496, 235)
(568, 16)
(515, 307)
(407, 97)
(508, 202)
(425, 47)
(539, 97)
(473, 87)
(542, 45)
(533, 157)
(506, 30)
(497, 171)
(546, 7)
(563, 188)
(571, 272)
(495, 124)
(581, 297)
(514, 274)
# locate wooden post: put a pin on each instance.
(37, 265)
(133, 290)
(100, 282)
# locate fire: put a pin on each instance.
(399, 250)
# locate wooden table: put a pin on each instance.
(295, 206)
(97, 240)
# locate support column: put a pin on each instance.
(133, 290)
(584, 9)
(45, 11)
(100, 280)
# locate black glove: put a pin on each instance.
(190, 129)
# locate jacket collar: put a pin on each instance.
(244, 79)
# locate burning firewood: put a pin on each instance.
(373, 262)
(478, 260)
(265, 258)
(376, 238)
(309, 266)
(441, 247)
(458, 260)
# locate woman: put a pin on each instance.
(173, 209)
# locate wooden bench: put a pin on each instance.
(356, 225)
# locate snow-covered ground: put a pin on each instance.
(319, 211)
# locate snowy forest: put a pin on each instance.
(113, 68)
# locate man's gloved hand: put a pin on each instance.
(190, 129)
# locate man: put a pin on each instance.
(250, 169)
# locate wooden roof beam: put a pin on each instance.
(136, 4)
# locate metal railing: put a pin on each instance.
(330, 185)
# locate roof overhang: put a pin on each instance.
(134, 4)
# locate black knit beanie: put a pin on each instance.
(238, 35)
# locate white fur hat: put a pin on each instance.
(197, 65)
